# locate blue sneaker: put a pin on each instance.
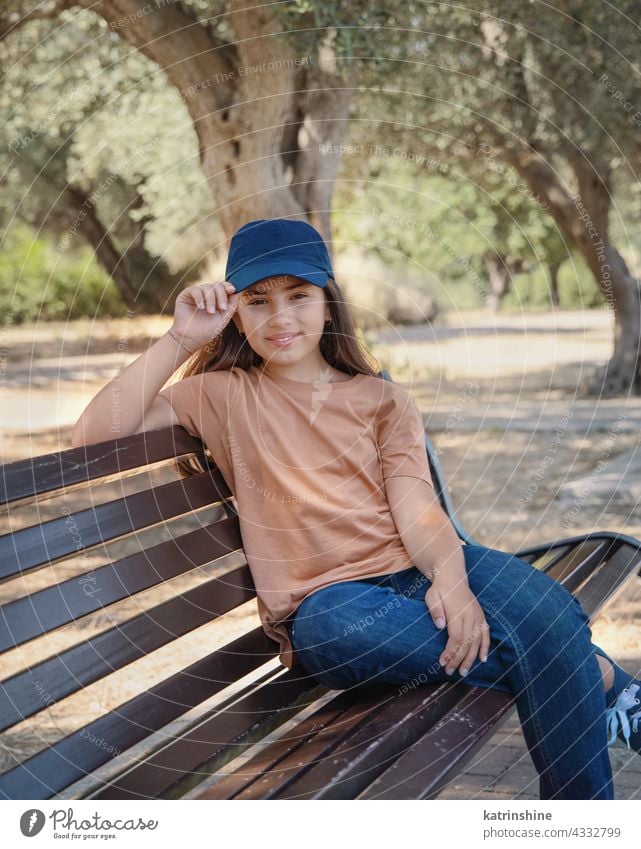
(617, 717)
(621, 700)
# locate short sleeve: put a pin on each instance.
(401, 438)
(187, 398)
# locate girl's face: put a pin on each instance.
(282, 306)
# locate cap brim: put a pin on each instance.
(245, 277)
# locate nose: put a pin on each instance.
(281, 318)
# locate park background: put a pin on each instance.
(475, 171)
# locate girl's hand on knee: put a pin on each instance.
(468, 631)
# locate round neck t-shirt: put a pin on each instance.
(307, 465)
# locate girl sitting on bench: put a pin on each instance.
(359, 573)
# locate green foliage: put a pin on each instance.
(38, 284)
(83, 108)
(432, 220)
(86, 111)
(576, 289)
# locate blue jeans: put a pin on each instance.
(379, 629)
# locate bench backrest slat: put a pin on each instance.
(42, 611)
(38, 546)
(578, 565)
(77, 667)
(606, 582)
(48, 473)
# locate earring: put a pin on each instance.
(328, 320)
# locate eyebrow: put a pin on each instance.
(286, 288)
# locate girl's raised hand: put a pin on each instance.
(202, 311)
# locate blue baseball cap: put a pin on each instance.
(271, 246)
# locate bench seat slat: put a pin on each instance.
(363, 752)
(48, 473)
(42, 611)
(65, 762)
(246, 782)
(421, 771)
(185, 761)
(41, 544)
(81, 665)
(213, 736)
(350, 752)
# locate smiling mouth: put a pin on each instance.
(281, 341)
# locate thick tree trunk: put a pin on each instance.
(158, 287)
(623, 372)
(261, 112)
(583, 219)
(269, 123)
(106, 252)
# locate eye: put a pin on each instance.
(262, 300)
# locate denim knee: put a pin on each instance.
(522, 588)
(550, 623)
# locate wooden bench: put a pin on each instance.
(233, 723)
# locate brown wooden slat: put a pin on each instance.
(622, 564)
(577, 565)
(49, 608)
(572, 563)
(81, 665)
(41, 544)
(553, 564)
(196, 755)
(50, 472)
(377, 741)
(539, 550)
(536, 558)
(65, 762)
(346, 755)
(422, 770)
(247, 781)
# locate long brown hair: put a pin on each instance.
(339, 345)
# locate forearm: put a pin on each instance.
(434, 547)
(120, 406)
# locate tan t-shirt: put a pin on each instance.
(307, 463)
